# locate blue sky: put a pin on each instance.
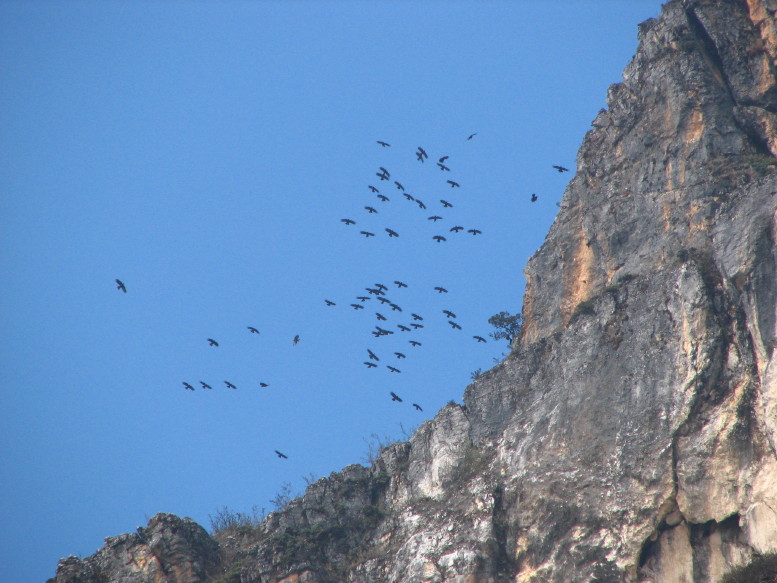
(205, 153)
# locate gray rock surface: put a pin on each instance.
(631, 434)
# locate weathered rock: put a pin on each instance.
(631, 434)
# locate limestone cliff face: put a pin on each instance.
(631, 435)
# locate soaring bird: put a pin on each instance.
(230, 385)
(212, 342)
(408, 196)
(439, 238)
(434, 218)
(417, 406)
(367, 234)
(422, 152)
(456, 229)
(395, 308)
(370, 364)
(472, 136)
(295, 341)
(357, 306)
(373, 189)
(394, 396)
(205, 385)
(187, 386)
(534, 198)
(475, 231)
(445, 204)
(415, 343)
(281, 455)
(329, 302)
(384, 144)
(479, 338)
(370, 210)
(254, 330)
(443, 159)
(443, 167)
(421, 205)
(383, 300)
(382, 176)
(383, 198)
(416, 326)
(386, 172)
(453, 184)
(363, 298)
(400, 284)
(419, 156)
(403, 328)
(382, 332)
(264, 385)
(373, 356)
(381, 287)
(120, 285)
(416, 317)
(449, 313)
(399, 185)
(375, 292)
(560, 168)
(392, 369)
(454, 324)
(441, 290)
(348, 221)
(399, 355)
(380, 316)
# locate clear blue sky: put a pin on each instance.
(204, 153)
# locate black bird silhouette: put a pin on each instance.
(295, 341)
(212, 342)
(399, 186)
(434, 218)
(330, 303)
(407, 196)
(534, 198)
(422, 152)
(416, 326)
(449, 313)
(281, 455)
(205, 385)
(375, 292)
(373, 189)
(416, 317)
(454, 324)
(380, 316)
(392, 369)
(363, 298)
(188, 387)
(373, 356)
(453, 184)
(479, 338)
(383, 198)
(472, 136)
(417, 406)
(370, 210)
(357, 306)
(384, 144)
(441, 290)
(403, 328)
(382, 176)
(367, 234)
(254, 330)
(443, 167)
(230, 385)
(560, 168)
(475, 231)
(399, 355)
(419, 156)
(415, 343)
(456, 229)
(443, 159)
(120, 285)
(400, 284)
(395, 308)
(264, 385)
(395, 397)
(391, 232)
(445, 204)
(420, 204)
(348, 221)
(382, 332)
(370, 364)
(439, 238)
(381, 287)
(386, 172)
(383, 300)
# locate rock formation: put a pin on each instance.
(631, 434)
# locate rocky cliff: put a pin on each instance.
(631, 434)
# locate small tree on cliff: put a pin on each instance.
(507, 325)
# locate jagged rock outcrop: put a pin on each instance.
(631, 434)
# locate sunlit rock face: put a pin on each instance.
(631, 435)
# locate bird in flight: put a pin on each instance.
(445, 204)
(295, 341)
(391, 232)
(560, 168)
(399, 355)
(329, 302)
(395, 397)
(453, 184)
(443, 159)
(367, 234)
(400, 284)
(373, 356)
(253, 330)
(534, 198)
(472, 136)
(363, 298)
(188, 387)
(370, 210)
(212, 342)
(454, 324)
(434, 218)
(380, 316)
(205, 385)
(421, 154)
(456, 229)
(373, 189)
(395, 308)
(384, 144)
(479, 338)
(403, 328)
(392, 369)
(416, 317)
(381, 332)
(383, 300)
(357, 306)
(375, 292)
(281, 455)
(264, 385)
(475, 231)
(348, 221)
(449, 313)
(370, 364)
(408, 196)
(416, 326)
(230, 385)
(441, 290)
(120, 285)
(381, 287)
(417, 406)
(443, 167)
(415, 343)
(420, 204)
(383, 198)
(439, 238)
(399, 185)
(384, 171)
(382, 176)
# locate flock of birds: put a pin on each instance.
(392, 319)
